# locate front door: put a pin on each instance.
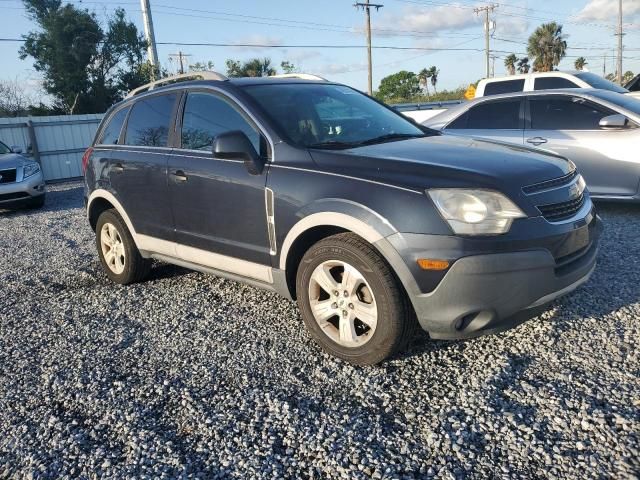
(569, 126)
(218, 206)
(138, 167)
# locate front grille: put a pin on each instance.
(8, 176)
(556, 182)
(13, 196)
(556, 212)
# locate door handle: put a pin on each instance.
(117, 167)
(179, 176)
(536, 140)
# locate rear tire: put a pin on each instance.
(351, 301)
(118, 253)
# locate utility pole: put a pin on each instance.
(181, 56)
(620, 34)
(150, 37)
(604, 66)
(487, 27)
(366, 6)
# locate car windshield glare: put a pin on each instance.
(330, 116)
(597, 81)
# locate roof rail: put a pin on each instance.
(302, 76)
(205, 75)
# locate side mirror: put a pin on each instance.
(235, 145)
(16, 149)
(614, 121)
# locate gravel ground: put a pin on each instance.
(188, 375)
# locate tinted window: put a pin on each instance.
(206, 116)
(4, 149)
(549, 83)
(505, 86)
(149, 121)
(111, 133)
(625, 101)
(596, 81)
(566, 113)
(503, 115)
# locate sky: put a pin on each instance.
(423, 33)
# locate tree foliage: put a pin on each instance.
(14, 99)
(510, 63)
(86, 68)
(401, 85)
(288, 67)
(547, 45)
(256, 67)
(523, 65)
(580, 63)
(201, 66)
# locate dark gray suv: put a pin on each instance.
(320, 193)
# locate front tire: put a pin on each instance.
(351, 301)
(118, 253)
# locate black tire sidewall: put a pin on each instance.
(131, 252)
(388, 327)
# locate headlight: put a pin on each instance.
(475, 212)
(30, 169)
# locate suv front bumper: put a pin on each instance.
(17, 194)
(487, 293)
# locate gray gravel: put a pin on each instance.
(188, 375)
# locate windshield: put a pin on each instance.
(4, 149)
(624, 101)
(330, 116)
(596, 81)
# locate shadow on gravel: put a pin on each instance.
(165, 271)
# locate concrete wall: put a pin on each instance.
(57, 142)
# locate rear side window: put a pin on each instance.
(566, 113)
(206, 116)
(111, 132)
(549, 83)
(149, 122)
(505, 86)
(501, 115)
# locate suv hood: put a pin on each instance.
(446, 161)
(12, 160)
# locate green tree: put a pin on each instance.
(288, 67)
(580, 63)
(201, 66)
(433, 74)
(627, 77)
(423, 79)
(400, 86)
(256, 67)
(510, 63)
(84, 67)
(547, 45)
(523, 65)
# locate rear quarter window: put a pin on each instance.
(149, 121)
(504, 86)
(111, 133)
(550, 83)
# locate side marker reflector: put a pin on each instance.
(431, 264)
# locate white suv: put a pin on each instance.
(547, 81)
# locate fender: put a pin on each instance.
(109, 197)
(335, 212)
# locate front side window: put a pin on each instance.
(499, 115)
(149, 122)
(4, 149)
(566, 113)
(323, 115)
(550, 83)
(206, 116)
(111, 132)
(504, 86)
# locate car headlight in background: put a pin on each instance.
(30, 169)
(475, 212)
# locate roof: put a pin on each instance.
(534, 74)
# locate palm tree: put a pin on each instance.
(523, 65)
(423, 78)
(548, 46)
(433, 73)
(580, 63)
(510, 63)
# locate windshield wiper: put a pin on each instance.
(391, 136)
(333, 144)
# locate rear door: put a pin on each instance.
(501, 119)
(138, 167)
(218, 206)
(569, 126)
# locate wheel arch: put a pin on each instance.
(101, 200)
